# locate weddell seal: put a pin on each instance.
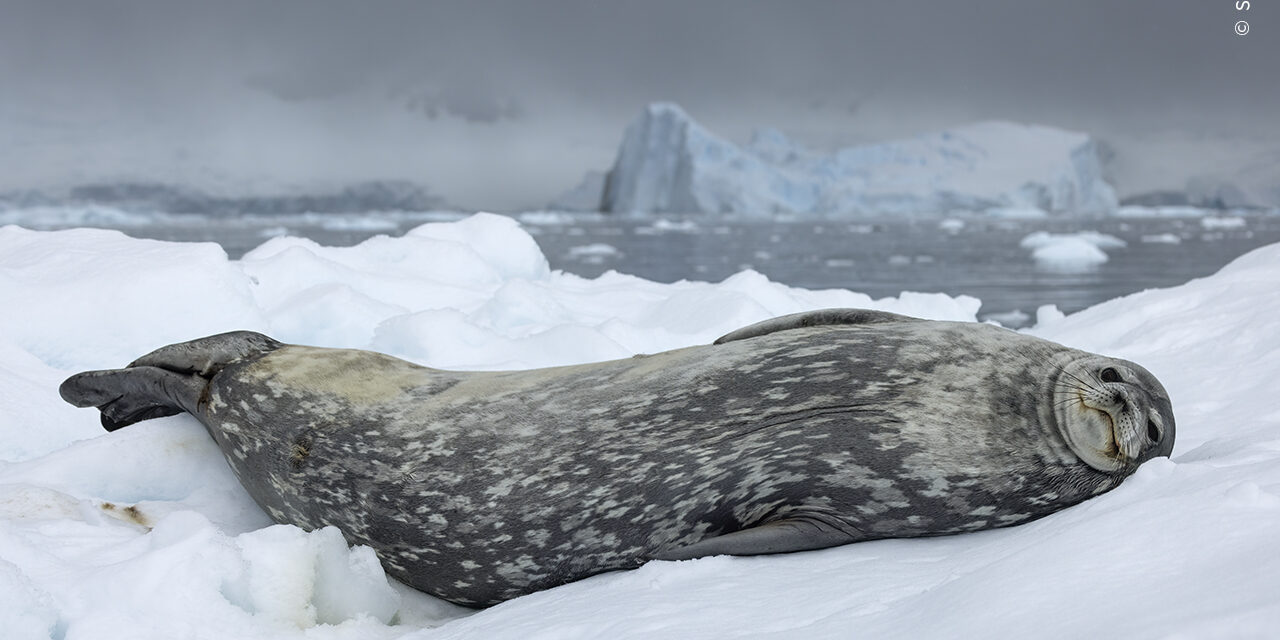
(802, 432)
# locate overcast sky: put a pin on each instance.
(502, 105)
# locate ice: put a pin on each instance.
(1015, 318)
(1069, 255)
(1017, 213)
(145, 533)
(49, 217)
(1070, 252)
(668, 163)
(1041, 239)
(1162, 212)
(1217, 223)
(593, 249)
(594, 253)
(1162, 238)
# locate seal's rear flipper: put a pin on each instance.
(779, 536)
(126, 396)
(164, 382)
(207, 356)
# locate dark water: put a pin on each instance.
(983, 259)
(881, 258)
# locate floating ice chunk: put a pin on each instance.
(1162, 238)
(596, 252)
(1219, 223)
(1040, 239)
(1018, 213)
(1161, 212)
(338, 222)
(1068, 255)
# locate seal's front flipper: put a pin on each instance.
(825, 317)
(779, 536)
(126, 396)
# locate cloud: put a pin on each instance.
(473, 107)
(568, 75)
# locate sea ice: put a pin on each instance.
(145, 533)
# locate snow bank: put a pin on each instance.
(144, 533)
(670, 163)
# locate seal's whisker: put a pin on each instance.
(1082, 381)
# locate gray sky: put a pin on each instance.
(502, 105)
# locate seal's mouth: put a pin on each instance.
(1102, 424)
(1112, 448)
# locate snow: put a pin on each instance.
(668, 163)
(144, 533)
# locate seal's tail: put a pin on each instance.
(164, 382)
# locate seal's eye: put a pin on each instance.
(1153, 432)
(1109, 375)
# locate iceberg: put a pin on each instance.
(668, 163)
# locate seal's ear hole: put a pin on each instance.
(1153, 432)
(1109, 375)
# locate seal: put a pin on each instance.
(802, 432)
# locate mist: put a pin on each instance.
(502, 105)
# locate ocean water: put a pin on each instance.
(981, 257)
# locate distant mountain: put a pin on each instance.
(668, 163)
(143, 196)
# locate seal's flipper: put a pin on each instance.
(779, 536)
(164, 382)
(207, 356)
(126, 396)
(814, 319)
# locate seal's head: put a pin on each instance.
(1113, 413)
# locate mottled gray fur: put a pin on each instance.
(799, 433)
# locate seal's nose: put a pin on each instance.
(1159, 432)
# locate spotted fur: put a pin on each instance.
(478, 487)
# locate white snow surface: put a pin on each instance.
(1185, 548)
(668, 163)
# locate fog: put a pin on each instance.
(502, 105)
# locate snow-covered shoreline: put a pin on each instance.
(1185, 547)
